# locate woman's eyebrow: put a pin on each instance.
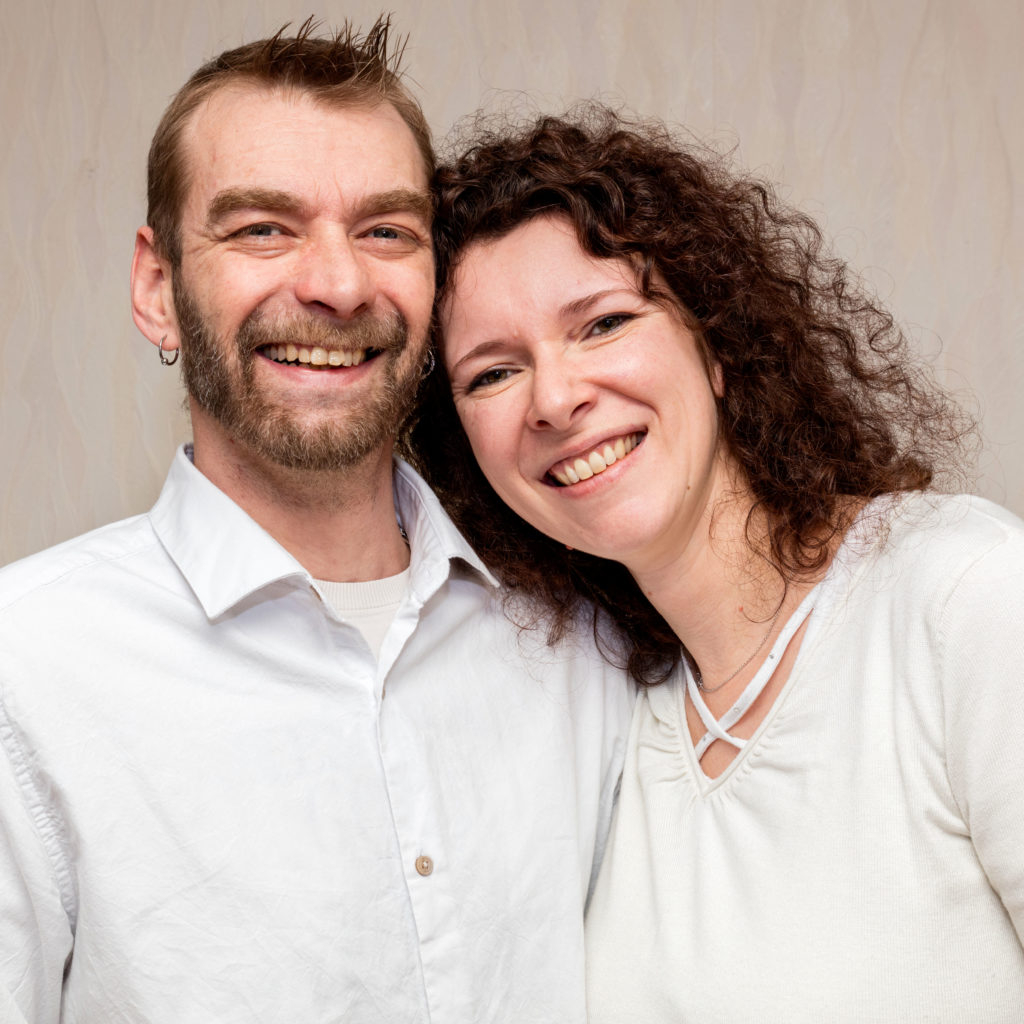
(575, 307)
(581, 305)
(485, 348)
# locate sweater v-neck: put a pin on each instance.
(668, 702)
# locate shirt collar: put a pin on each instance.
(223, 554)
(434, 541)
(226, 556)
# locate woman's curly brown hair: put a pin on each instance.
(822, 401)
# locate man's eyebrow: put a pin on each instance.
(396, 200)
(231, 200)
(400, 200)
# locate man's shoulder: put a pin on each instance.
(75, 561)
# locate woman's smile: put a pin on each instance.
(581, 467)
(562, 372)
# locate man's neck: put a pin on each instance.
(339, 525)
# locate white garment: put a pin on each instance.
(370, 605)
(209, 814)
(862, 858)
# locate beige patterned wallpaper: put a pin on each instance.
(894, 121)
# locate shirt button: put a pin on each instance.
(424, 865)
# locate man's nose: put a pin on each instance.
(333, 274)
(560, 393)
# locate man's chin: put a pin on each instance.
(319, 449)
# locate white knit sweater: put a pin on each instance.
(862, 859)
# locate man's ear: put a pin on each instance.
(152, 295)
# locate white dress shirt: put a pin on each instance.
(210, 812)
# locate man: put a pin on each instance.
(272, 752)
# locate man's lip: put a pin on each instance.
(594, 459)
(290, 354)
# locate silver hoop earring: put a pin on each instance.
(431, 363)
(163, 359)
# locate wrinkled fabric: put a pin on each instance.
(215, 804)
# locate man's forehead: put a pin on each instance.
(245, 123)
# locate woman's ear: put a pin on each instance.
(152, 293)
(717, 380)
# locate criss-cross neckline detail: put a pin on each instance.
(718, 728)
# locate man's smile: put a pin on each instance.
(317, 356)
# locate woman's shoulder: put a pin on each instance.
(935, 543)
(955, 523)
(963, 525)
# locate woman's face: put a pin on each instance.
(588, 406)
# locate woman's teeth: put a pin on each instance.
(315, 356)
(572, 471)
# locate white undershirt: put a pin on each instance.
(369, 606)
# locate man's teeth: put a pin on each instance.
(315, 356)
(572, 471)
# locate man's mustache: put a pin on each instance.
(368, 331)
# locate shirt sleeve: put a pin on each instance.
(982, 666)
(35, 934)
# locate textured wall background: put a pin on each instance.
(894, 121)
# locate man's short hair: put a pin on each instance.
(343, 69)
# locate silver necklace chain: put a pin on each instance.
(699, 679)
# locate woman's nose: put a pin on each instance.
(560, 394)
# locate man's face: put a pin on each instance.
(305, 287)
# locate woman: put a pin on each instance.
(703, 429)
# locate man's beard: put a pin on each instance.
(226, 388)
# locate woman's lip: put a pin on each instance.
(594, 460)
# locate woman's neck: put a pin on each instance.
(721, 594)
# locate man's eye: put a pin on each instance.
(385, 232)
(489, 377)
(258, 231)
(608, 324)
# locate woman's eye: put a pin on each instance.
(489, 377)
(608, 324)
